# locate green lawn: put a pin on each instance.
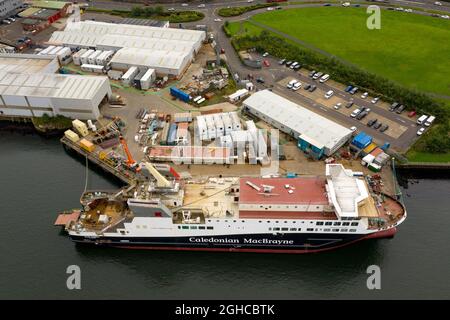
(411, 49)
(417, 156)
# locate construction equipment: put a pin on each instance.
(131, 163)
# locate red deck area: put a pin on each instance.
(303, 191)
(64, 218)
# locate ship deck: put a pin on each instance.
(213, 197)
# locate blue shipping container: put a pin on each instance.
(177, 93)
(172, 136)
(362, 140)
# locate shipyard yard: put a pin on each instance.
(175, 141)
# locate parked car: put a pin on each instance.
(298, 66)
(266, 63)
(384, 127)
(297, 86)
(437, 3)
(312, 73)
(375, 100)
(408, 10)
(354, 90)
(349, 104)
(202, 5)
(173, 9)
(353, 129)
(313, 88)
(307, 86)
(317, 75)
(6, 21)
(394, 106)
(324, 78)
(288, 63)
(411, 114)
(260, 80)
(329, 94)
(362, 115)
(291, 83)
(217, 20)
(377, 125)
(337, 106)
(281, 62)
(346, 4)
(400, 109)
(364, 95)
(420, 131)
(355, 113)
(265, 54)
(348, 88)
(371, 122)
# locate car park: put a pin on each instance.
(329, 94)
(400, 109)
(420, 131)
(349, 104)
(337, 106)
(377, 125)
(296, 86)
(384, 127)
(371, 122)
(355, 113)
(364, 95)
(362, 115)
(354, 90)
(394, 106)
(317, 75)
(375, 100)
(307, 86)
(348, 88)
(291, 83)
(313, 88)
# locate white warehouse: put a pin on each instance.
(167, 50)
(316, 135)
(32, 95)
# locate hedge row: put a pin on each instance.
(236, 11)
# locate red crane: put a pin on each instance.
(132, 164)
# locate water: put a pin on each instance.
(38, 179)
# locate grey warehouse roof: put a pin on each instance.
(312, 126)
(50, 85)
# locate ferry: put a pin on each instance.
(243, 214)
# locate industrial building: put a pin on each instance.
(166, 50)
(8, 6)
(29, 87)
(316, 135)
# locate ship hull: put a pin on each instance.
(263, 243)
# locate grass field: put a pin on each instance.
(411, 49)
(417, 156)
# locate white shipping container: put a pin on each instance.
(201, 128)
(77, 55)
(93, 57)
(84, 58)
(147, 79)
(104, 58)
(368, 159)
(47, 50)
(55, 50)
(92, 68)
(115, 74)
(129, 75)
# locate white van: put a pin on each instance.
(296, 86)
(291, 83)
(329, 94)
(429, 121)
(422, 119)
(355, 113)
(324, 78)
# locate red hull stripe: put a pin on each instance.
(381, 234)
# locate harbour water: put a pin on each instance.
(38, 179)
